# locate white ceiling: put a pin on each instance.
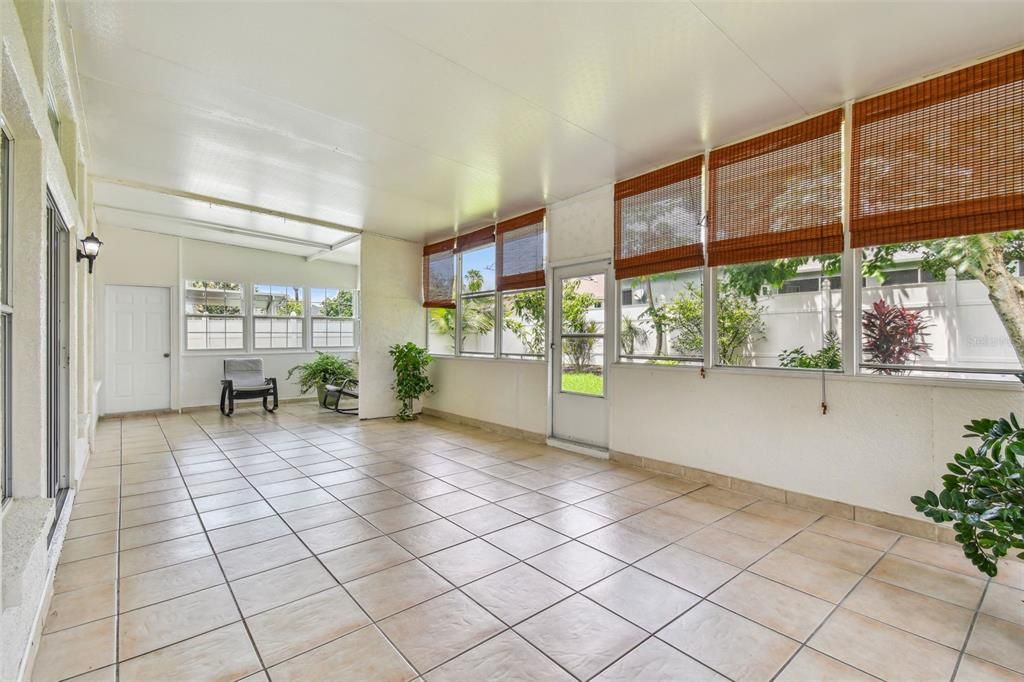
(410, 118)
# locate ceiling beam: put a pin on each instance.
(333, 248)
(227, 203)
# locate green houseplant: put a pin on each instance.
(322, 370)
(411, 381)
(983, 495)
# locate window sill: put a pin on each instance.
(269, 351)
(541, 362)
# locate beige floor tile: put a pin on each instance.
(807, 575)
(581, 636)
(248, 533)
(454, 502)
(338, 534)
(572, 521)
(882, 650)
(162, 531)
(300, 500)
(783, 512)
(929, 580)
(79, 574)
(399, 518)
(973, 669)
(165, 623)
(1011, 573)
(516, 593)
(506, 657)
(869, 536)
(160, 512)
(646, 493)
(88, 547)
(570, 492)
(263, 556)
(758, 527)
(468, 561)
(397, 588)
(692, 508)
(663, 525)
(91, 526)
(300, 626)
(827, 549)
(74, 651)
(773, 605)
(612, 506)
(84, 605)
(722, 497)
(150, 499)
(1004, 602)
(998, 641)
(641, 598)
(219, 656)
(152, 557)
(809, 664)
(655, 661)
(689, 570)
(212, 502)
(930, 618)
(730, 644)
(623, 542)
(486, 519)
(357, 488)
(84, 510)
(440, 629)
(532, 504)
(361, 655)
(364, 558)
(719, 544)
(267, 590)
(230, 516)
(107, 674)
(319, 515)
(576, 565)
(423, 489)
(377, 501)
(431, 537)
(526, 539)
(162, 584)
(949, 557)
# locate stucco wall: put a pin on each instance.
(512, 393)
(389, 271)
(133, 257)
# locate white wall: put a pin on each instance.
(883, 440)
(390, 273)
(133, 257)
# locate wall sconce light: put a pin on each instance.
(89, 250)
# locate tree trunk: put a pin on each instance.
(1004, 290)
(659, 337)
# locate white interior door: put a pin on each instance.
(580, 322)
(138, 340)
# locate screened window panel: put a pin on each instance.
(942, 158)
(203, 332)
(658, 221)
(329, 332)
(520, 252)
(277, 332)
(439, 275)
(778, 195)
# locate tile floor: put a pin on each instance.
(310, 546)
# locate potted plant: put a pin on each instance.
(983, 495)
(411, 381)
(322, 370)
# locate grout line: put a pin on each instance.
(970, 630)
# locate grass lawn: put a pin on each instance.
(583, 382)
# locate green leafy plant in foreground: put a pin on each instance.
(829, 357)
(411, 381)
(983, 495)
(322, 370)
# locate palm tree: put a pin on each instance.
(632, 334)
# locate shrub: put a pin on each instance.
(893, 335)
(983, 495)
(411, 381)
(322, 370)
(829, 357)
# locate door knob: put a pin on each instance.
(167, 355)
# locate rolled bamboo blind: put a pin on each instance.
(520, 252)
(471, 240)
(941, 158)
(658, 221)
(778, 195)
(439, 274)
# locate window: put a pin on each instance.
(477, 301)
(6, 316)
(582, 323)
(662, 318)
(523, 332)
(213, 315)
(278, 316)
(439, 296)
(334, 317)
(52, 115)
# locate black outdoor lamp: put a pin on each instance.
(90, 249)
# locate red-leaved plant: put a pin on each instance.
(893, 335)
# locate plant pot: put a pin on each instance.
(321, 390)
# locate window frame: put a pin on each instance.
(461, 296)
(354, 319)
(621, 358)
(303, 343)
(244, 315)
(7, 315)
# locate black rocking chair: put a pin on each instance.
(348, 389)
(244, 380)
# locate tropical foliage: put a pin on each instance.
(339, 305)
(410, 363)
(983, 494)
(322, 370)
(524, 316)
(829, 357)
(893, 335)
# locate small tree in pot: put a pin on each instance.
(411, 381)
(322, 370)
(983, 495)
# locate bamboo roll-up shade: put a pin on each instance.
(439, 274)
(941, 158)
(520, 252)
(471, 240)
(778, 195)
(658, 221)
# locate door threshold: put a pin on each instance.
(578, 448)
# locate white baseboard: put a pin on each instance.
(578, 448)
